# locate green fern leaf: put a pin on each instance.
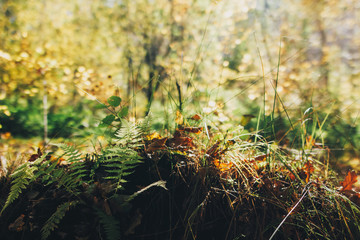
(110, 225)
(22, 177)
(55, 218)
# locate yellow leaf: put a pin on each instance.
(179, 118)
(154, 135)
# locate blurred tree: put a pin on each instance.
(142, 50)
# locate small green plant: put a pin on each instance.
(75, 172)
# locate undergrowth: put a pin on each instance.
(194, 183)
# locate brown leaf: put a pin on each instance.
(349, 180)
(213, 152)
(195, 130)
(157, 144)
(261, 157)
(18, 224)
(196, 117)
(180, 142)
(35, 156)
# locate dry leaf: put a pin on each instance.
(349, 180)
(261, 157)
(18, 224)
(179, 118)
(195, 130)
(309, 169)
(196, 117)
(222, 166)
(154, 135)
(213, 152)
(157, 144)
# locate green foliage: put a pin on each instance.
(56, 217)
(110, 225)
(119, 160)
(108, 119)
(114, 101)
(21, 178)
(73, 170)
(26, 118)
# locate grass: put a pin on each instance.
(265, 179)
(219, 185)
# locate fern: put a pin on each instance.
(110, 225)
(55, 218)
(116, 161)
(129, 134)
(145, 125)
(22, 177)
(120, 160)
(71, 178)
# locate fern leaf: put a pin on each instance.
(22, 177)
(55, 218)
(129, 134)
(110, 225)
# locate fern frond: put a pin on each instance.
(110, 225)
(55, 218)
(129, 134)
(145, 124)
(71, 152)
(72, 177)
(120, 160)
(22, 177)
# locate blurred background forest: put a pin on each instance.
(226, 59)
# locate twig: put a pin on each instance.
(305, 191)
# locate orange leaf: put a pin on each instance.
(223, 166)
(310, 141)
(196, 117)
(309, 169)
(292, 176)
(349, 180)
(5, 135)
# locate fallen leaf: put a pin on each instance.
(349, 180)
(223, 166)
(179, 118)
(35, 156)
(5, 136)
(154, 135)
(213, 152)
(18, 224)
(157, 144)
(310, 141)
(261, 157)
(180, 142)
(195, 130)
(196, 117)
(309, 169)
